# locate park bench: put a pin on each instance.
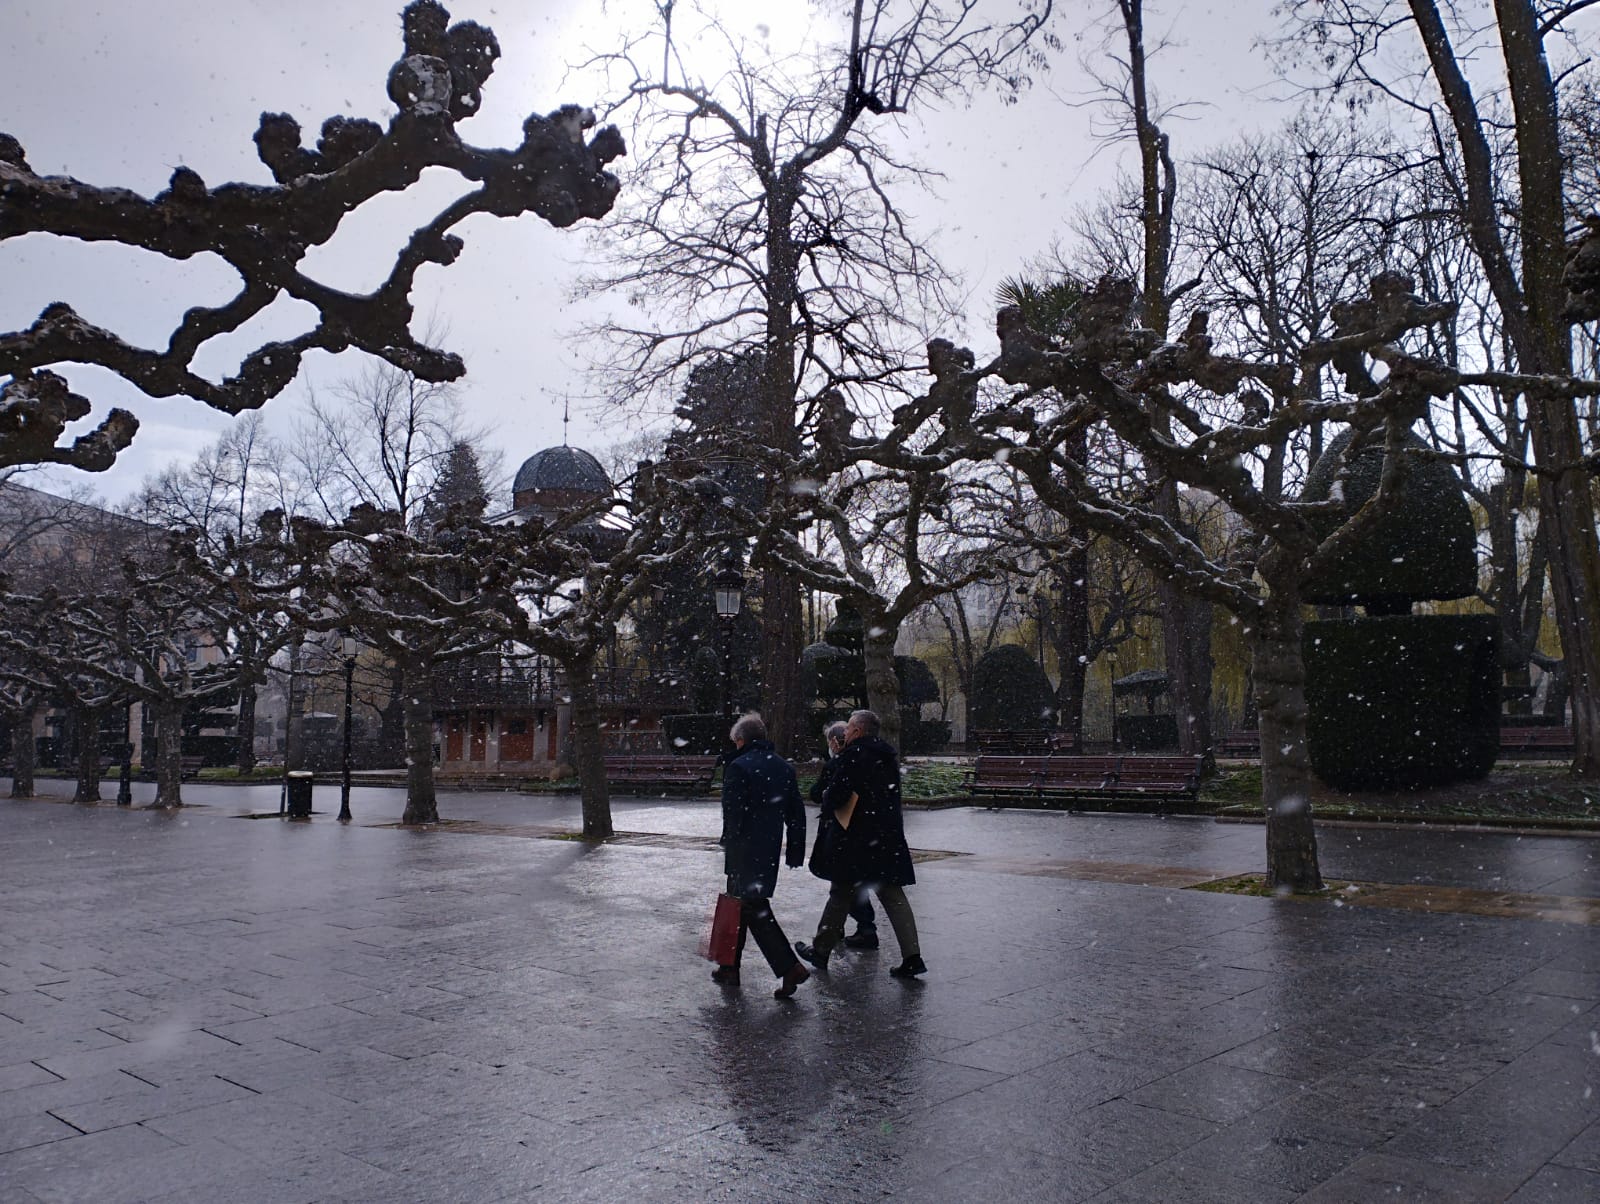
(1548, 740)
(1008, 742)
(1240, 744)
(188, 767)
(661, 771)
(1069, 777)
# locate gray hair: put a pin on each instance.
(748, 727)
(867, 721)
(835, 731)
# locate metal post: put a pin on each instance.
(125, 786)
(344, 785)
(727, 671)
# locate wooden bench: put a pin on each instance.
(1546, 741)
(1240, 744)
(1020, 742)
(1086, 777)
(661, 771)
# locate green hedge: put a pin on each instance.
(1010, 692)
(1423, 549)
(1402, 701)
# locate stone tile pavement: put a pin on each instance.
(202, 1007)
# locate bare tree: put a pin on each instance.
(1120, 374)
(768, 223)
(1514, 209)
(264, 231)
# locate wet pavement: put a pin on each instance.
(202, 1007)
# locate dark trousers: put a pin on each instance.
(843, 895)
(861, 912)
(755, 916)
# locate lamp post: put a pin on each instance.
(728, 592)
(1111, 694)
(349, 647)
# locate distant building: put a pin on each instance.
(513, 714)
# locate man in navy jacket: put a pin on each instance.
(761, 805)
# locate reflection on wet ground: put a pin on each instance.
(199, 1007)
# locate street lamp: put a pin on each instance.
(728, 592)
(350, 647)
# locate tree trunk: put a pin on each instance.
(1532, 309)
(1073, 653)
(588, 749)
(23, 754)
(169, 754)
(87, 721)
(780, 658)
(247, 725)
(1286, 778)
(422, 803)
(883, 687)
(1186, 628)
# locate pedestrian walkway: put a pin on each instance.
(201, 1007)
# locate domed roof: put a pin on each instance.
(567, 468)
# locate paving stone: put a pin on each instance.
(1214, 1091)
(1558, 1185)
(1584, 1150)
(1171, 1180)
(324, 1013)
(37, 1167)
(20, 1132)
(1383, 1176)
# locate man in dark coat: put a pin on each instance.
(761, 805)
(864, 795)
(866, 934)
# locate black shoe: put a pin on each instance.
(909, 968)
(809, 953)
(795, 975)
(728, 976)
(862, 938)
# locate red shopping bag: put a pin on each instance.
(722, 942)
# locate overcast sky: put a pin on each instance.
(119, 92)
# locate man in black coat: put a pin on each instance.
(864, 795)
(761, 805)
(866, 934)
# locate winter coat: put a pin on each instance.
(874, 847)
(761, 805)
(824, 852)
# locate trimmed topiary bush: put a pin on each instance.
(1404, 700)
(1010, 692)
(1424, 549)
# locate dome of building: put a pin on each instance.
(562, 469)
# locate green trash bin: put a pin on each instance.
(297, 785)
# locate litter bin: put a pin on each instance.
(297, 785)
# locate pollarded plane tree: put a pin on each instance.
(889, 529)
(768, 220)
(52, 662)
(22, 694)
(587, 572)
(1150, 393)
(156, 632)
(422, 599)
(264, 231)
